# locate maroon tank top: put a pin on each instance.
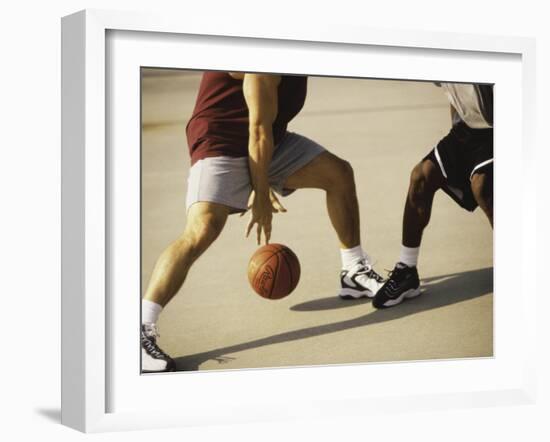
(219, 124)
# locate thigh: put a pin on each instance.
(427, 176)
(316, 173)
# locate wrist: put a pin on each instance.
(260, 184)
(263, 197)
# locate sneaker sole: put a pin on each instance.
(411, 293)
(350, 294)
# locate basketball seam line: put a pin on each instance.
(271, 256)
(275, 275)
(289, 271)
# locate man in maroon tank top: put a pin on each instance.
(240, 148)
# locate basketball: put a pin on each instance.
(274, 271)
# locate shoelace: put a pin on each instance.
(392, 281)
(372, 274)
(366, 269)
(149, 335)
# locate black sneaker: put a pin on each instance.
(360, 281)
(403, 283)
(153, 359)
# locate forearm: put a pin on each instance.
(260, 151)
(260, 93)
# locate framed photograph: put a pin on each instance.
(376, 275)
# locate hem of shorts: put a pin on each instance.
(478, 167)
(440, 163)
(283, 191)
(461, 202)
(435, 162)
(234, 209)
(196, 159)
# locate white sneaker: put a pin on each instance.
(360, 281)
(153, 359)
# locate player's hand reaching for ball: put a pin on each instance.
(261, 214)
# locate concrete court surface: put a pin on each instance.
(383, 128)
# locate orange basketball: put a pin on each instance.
(274, 271)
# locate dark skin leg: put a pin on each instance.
(426, 179)
(482, 188)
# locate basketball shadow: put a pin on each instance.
(438, 292)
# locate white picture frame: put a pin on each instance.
(87, 203)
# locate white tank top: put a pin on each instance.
(465, 100)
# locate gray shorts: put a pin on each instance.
(226, 180)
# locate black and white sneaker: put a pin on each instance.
(403, 283)
(153, 359)
(359, 282)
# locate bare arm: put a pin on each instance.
(260, 93)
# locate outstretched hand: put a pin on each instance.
(262, 209)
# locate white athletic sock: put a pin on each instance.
(409, 256)
(150, 311)
(352, 256)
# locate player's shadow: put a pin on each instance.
(439, 291)
(328, 303)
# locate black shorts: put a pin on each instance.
(461, 154)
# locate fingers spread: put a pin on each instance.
(276, 204)
(249, 227)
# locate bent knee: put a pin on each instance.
(339, 175)
(200, 232)
(425, 179)
(207, 228)
(419, 180)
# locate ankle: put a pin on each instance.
(150, 311)
(409, 256)
(350, 257)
